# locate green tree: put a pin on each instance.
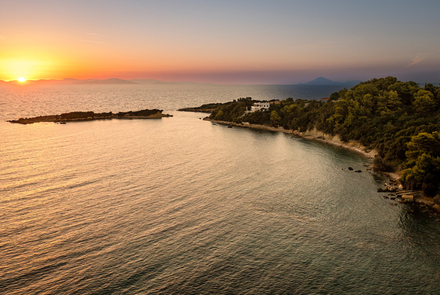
(424, 101)
(423, 163)
(275, 117)
(334, 96)
(219, 115)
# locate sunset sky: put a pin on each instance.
(249, 42)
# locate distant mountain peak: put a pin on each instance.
(100, 81)
(325, 81)
(321, 81)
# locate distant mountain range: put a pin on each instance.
(317, 81)
(325, 81)
(106, 81)
(97, 81)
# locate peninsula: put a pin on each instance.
(91, 116)
(206, 108)
(396, 122)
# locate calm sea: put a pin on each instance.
(183, 206)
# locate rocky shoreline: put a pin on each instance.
(92, 116)
(393, 190)
(312, 135)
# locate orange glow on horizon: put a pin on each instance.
(84, 60)
(29, 68)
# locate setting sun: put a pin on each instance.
(21, 79)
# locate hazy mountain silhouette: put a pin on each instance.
(153, 81)
(325, 81)
(106, 81)
(97, 81)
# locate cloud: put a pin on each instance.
(416, 60)
(2, 37)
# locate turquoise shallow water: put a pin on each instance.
(182, 206)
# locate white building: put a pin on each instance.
(260, 106)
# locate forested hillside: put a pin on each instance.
(401, 120)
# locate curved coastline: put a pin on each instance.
(311, 135)
(392, 187)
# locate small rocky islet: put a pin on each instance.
(91, 116)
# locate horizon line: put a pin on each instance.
(131, 81)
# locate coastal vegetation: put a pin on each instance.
(206, 108)
(90, 116)
(400, 120)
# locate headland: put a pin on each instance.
(91, 116)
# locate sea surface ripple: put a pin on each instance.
(183, 206)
